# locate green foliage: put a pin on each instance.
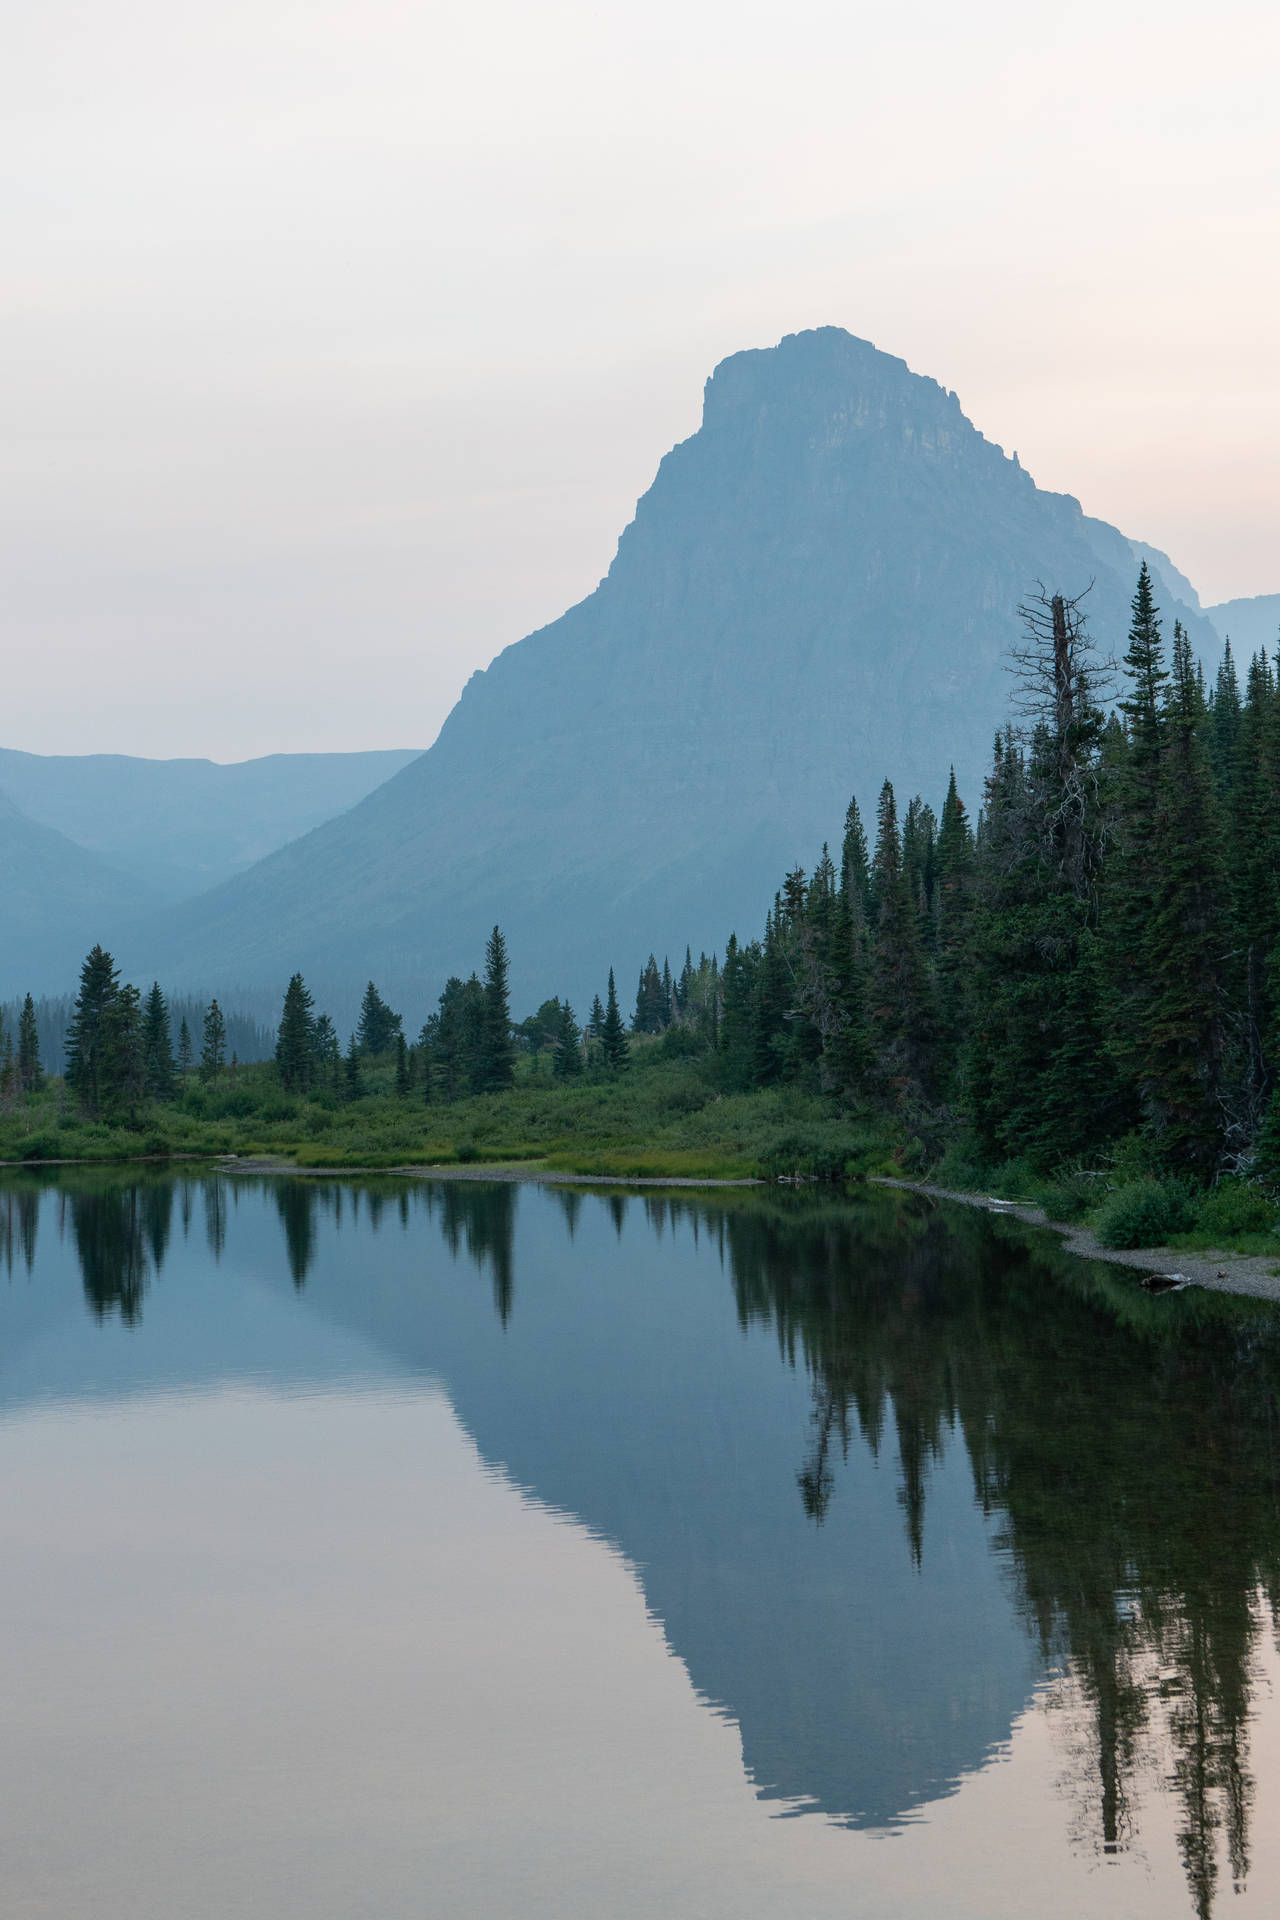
(296, 1038)
(376, 1033)
(613, 1035)
(1233, 1208)
(495, 1060)
(1144, 1214)
(817, 1151)
(29, 1074)
(213, 1051)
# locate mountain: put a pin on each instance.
(817, 591)
(57, 897)
(1251, 624)
(183, 826)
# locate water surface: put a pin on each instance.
(465, 1549)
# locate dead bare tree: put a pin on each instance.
(1060, 684)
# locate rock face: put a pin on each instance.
(816, 592)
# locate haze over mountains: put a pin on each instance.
(817, 591)
(92, 843)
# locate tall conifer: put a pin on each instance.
(613, 1034)
(157, 1045)
(29, 1074)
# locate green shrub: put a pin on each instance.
(1070, 1196)
(41, 1146)
(821, 1152)
(963, 1169)
(466, 1150)
(1233, 1208)
(685, 1100)
(1144, 1214)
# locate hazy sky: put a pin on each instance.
(339, 338)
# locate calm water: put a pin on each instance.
(472, 1550)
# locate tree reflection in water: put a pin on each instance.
(121, 1233)
(1125, 1443)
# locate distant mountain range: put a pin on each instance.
(91, 844)
(818, 590)
(1251, 624)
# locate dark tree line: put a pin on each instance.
(1099, 957)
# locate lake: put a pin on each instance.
(466, 1549)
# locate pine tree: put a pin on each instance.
(496, 1056)
(595, 1020)
(29, 1073)
(953, 907)
(1131, 878)
(213, 1053)
(900, 1001)
(453, 1035)
(649, 1000)
(832, 986)
(736, 1024)
(613, 1035)
(1223, 736)
(1183, 1039)
(296, 1038)
(1144, 665)
(404, 1076)
(919, 853)
(771, 1002)
(566, 1062)
(157, 1045)
(123, 1056)
(351, 1087)
(185, 1050)
(326, 1054)
(685, 982)
(376, 1033)
(855, 872)
(99, 985)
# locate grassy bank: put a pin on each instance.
(662, 1116)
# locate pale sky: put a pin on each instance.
(339, 339)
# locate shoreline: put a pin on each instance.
(1254, 1274)
(509, 1171)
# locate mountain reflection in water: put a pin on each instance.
(1122, 1546)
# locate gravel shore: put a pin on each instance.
(1257, 1274)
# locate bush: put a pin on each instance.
(685, 1100)
(1070, 1196)
(821, 1152)
(963, 1169)
(41, 1146)
(1232, 1208)
(1144, 1214)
